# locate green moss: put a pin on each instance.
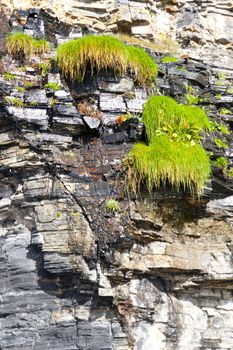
(104, 53)
(21, 45)
(173, 153)
(169, 59)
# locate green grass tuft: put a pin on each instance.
(112, 205)
(21, 45)
(104, 53)
(163, 111)
(141, 65)
(52, 86)
(173, 153)
(167, 161)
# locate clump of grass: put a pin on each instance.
(221, 163)
(223, 129)
(112, 205)
(161, 111)
(191, 99)
(173, 153)
(141, 65)
(9, 76)
(230, 173)
(43, 68)
(21, 45)
(169, 59)
(33, 103)
(20, 88)
(29, 84)
(220, 144)
(53, 102)
(104, 53)
(165, 161)
(13, 101)
(52, 86)
(225, 111)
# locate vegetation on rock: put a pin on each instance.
(173, 152)
(52, 86)
(21, 45)
(105, 53)
(112, 205)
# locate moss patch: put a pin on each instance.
(173, 153)
(104, 53)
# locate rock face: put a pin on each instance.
(158, 273)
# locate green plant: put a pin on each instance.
(21, 45)
(112, 205)
(225, 111)
(230, 173)
(9, 76)
(190, 89)
(182, 69)
(13, 101)
(52, 86)
(220, 144)
(218, 96)
(223, 129)
(169, 59)
(191, 99)
(34, 103)
(173, 152)
(105, 53)
(29, 84)
(221, 75)
(22, 68)
(59, 215)
(219, 83)
(41, 46)
(20, 88)
(230, 90)
(221, 163)
(52, 102)
(44, 68)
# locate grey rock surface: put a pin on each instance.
(158, 273)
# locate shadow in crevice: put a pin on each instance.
(65, 285)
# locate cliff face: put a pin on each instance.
(158, 273)
(193, 23)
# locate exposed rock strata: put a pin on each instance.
(156, 275)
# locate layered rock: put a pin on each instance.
(158, 273)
